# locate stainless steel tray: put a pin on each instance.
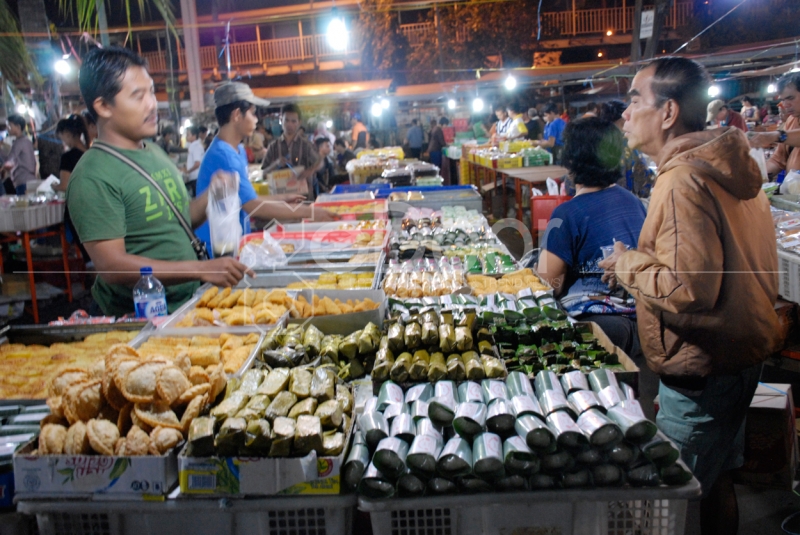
(281, 279)
(52, 334)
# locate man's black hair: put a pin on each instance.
(167, 130)
(550, 107)
(223, 113)
(414, 122)
(18, 120)
(686, 82)
(340, 142)
(444, 121)
(102, 72)
(75, 125)
(320, 140)
(593, 150)
(612, 110)
(748, 99)
(500, 106)
(194, 130)
(291, 107)
(789, 78)
(514, 106)
(202, 129)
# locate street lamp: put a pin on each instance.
(477, 105)
(62, 66)
(510, 82)
(377, 109)
(771, 88)
(329, 124)
(337, 31)
(22, 109)
(451, 104)
(714, 91)
(609, 33)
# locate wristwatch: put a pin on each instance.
(781, 136)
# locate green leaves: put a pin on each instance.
(15, 59)
(119, 468)
(69, 473)
(86, 11)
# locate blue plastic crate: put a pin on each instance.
(358, 188)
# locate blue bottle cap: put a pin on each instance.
(146, 271)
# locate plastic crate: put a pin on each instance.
(653, 511)
(789, 276)
(307, 515)
(542, 207)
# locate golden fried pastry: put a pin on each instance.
(83, 401)
(140, 383)
(124, 420)
(197, 375)
(120, 369)
(217, 299)
(77, 440)
(137, 422)
(191, 393)
(163, 439)
(207, 296)
(119, 447)
(65, 379)
(56, 405)
(218, 381)
(52, 439)
(137, 442)
(110, 391)
(155, 414)
(171, 382)
(193, 411)
(248, 298)
(231, 300)
(204, 356)
(183, 362)
(102, 435)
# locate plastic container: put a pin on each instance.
(607, 511)
(306, 515)
(149, 297)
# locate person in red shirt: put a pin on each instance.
(719, 114)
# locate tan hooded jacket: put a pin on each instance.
(705, 272)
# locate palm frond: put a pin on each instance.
(16, 62)
(86, 11)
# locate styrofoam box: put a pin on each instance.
(789, 276)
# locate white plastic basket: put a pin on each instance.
(659, 511)
(304, 515)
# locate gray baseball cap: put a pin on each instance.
(231, 92)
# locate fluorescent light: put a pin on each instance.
(510, 82)
(377, 109)
(772, 88)
(477, 105)
(62, 67)
(610, 33)
(22, 109)
(451, 104)
(337, 33)
(714, 91)
(187, 123)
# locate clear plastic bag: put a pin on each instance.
(791, 184)
(761, 160)
(223, 210)
(261, 254)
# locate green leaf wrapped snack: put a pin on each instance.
(230, 437)
(437, 369)
(345, 398)
(349, 345)
(419, 365)
(401, 368)
(255, 408)
(455, 368)
(201, 437)
(395, 337)
(455, 459)
(323, 384)
(493, 367)
(330, 414)
(374, 428)
(536, 433)
(470, 420)
(424, 452)
(307, 435)
(472, 366)
(375, 485)
(447, 338)
(412, 335)
(274, 383)
(487, 456)
(329, 348)
(332, 443)
(518, 457)
(356, 463)
(312, 341)
(390, 457)
(257, 438)
(283, 430)
(229, 406)
(251, 380)
(369, 339)
(306, 407)
(300, 382)
(280, 406)
(384, 361)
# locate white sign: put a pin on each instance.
(646, 27)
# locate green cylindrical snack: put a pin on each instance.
(329, 414)
(568, 434)
(447, 338)
(518, 384)
(583, 400)
(323, 384)
(412, 336)
(675, 475)
(518, 457)
(542, 482)
(437, 370)
(573, 381)
(455, 459)
(493, 389)
(560, 461)
(660, 451)
(487, 456)
(389, 394)
(390, 457)
(644, 475)
(537, 435)
(580, 478)
(419, 410)
(521, 405)
(511, 483)
(610, 396)
(375, 485)
(606, 475)
(230, 437)
(636, 428)
(369, 339)
(312, 341)
(410, 485)
(455, 368)
(401, 367)
(589, 457)
(354, 467)
(473, 484)
(602, 432)
(470, 420)
(546, 381)
(201, 437)
(419, 365)
(423, 454)
(442, 410)
(554, 401)
(499, 418)
(403, 428)
(395, 337)
(426, 427)
(300, 382)
(624, 454)
(470, 391)
(493, 367)
(374, 428)
(272, 339)
(308, 407)
(602, 378)
(472, 366)
(422, 392)
(440, 485)
(280, 406)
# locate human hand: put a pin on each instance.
(762, 140)
(321, 215)
(609, 264)
(224, 271)
(222, 182)
(291, 198)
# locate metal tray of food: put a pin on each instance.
(61, 334)
(282, 279)
(331, 261)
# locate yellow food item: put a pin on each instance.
(510, 283)
(336, 281)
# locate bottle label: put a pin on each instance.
(151, 308)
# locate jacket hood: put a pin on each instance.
(722, 154)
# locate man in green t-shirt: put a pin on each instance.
(120, 217)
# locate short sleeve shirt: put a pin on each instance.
(555, 129)
(70, 159)
(575, 233)
(221, 156)
(300, 152)
(415, 137)
(109, 200)
(196, 153)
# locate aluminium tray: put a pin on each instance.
(57, 334)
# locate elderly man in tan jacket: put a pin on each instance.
(704, 277)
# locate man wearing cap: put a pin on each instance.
(293, 149)
(235, 111)
(719, 114)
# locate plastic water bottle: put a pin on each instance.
(148, 296)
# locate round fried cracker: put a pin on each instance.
(218, 381)
(51, 439)
(123, 349)
(183, 362)
(56, 405)
(190, 394)
(77, 441)
(171, 383)
(193, 411)
(198, 376)
(65, 379)
(137, 422)
(137, 442)
(82, 401)
(139, 385)
(124, 421)
(163, 439)
(120, 368)
(103, 436)
(155, 414)
(119, 447)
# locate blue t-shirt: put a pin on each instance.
(575, 233)
(555, 128)
(221, 156)
(415, 137)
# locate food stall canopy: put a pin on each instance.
(337, 91)
(435, 90)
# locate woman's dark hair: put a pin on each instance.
(18, 120)
(102, 71)
(550, 107)
(612, 110)
(75, 125)
(748, 100)
(593, 150)
(686, 82)
(223, 113)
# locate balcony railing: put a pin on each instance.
(617, 19)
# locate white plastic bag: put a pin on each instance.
(223, 214)
(761, 160)
(552, 187)
(791, 184)
(261, 254)
(47, 185)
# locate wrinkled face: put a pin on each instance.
(643, 120)
(790, 99)
(290, 122)
(133, 112)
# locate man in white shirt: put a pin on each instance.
(195, 158)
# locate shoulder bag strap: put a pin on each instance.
(197, 244)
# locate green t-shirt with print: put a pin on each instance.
(109, 200)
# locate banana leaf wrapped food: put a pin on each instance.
(282, 437)
(412, 336)
(300, 382)
(518, 457)
(292, 336)
(395, 338)
(473, 366)
(384, 360)
(568, 434)
(470, 419)
(409, 484)
(308, 435)
(577, 479)
(201, 437)
(374, 428)
(403, 427)
(455, 368)
(251, 380)
(330, 414)
(332, 443)
(273, 339)
(487, 456)
(229, 406)
(312, 341)
(356, 463)
(369, 339)
(455, 459)
(323, 384)
(424, 452)
(499, 418)
(255, 408)
(307, 406)
(348, 347)
(345, 398)
(257, 439)
(606, 475)
(329, 347)
(493, 367)
(429, 321)
(230, 437)
(284, 357)
(419, 365)
(276, 382)
(422, 392)
(464, 340)
(401, 368)
(390, 457)
(437, 369)
(447, 338)
(280, 406)
(374, 484)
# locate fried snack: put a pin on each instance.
(247, 298)
(102, 435)
(171, 382)
(110, 391)
(52, 439)
(198, 375)
(191, 393)
(217, 299)
(163, 439)
(155, 414)
(124, 420)
(204, 356)
(233, 360)
(83, 401)
(217, 380)
(193, 411)
(136, 421)
(65, 379)
(137, 442)
(231, 300)
(56, 405)
(139, 385)
(207, 296)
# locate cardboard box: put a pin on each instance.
(15, 284)
(286, 181)
(770, 452)
(58, 476)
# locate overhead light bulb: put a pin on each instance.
(187, 123)
(599, 54)
(62, 66)
(771, 88)
(451, 104)
(609, 33)
(377, 109)
(384, 104)
(510, 82)
(477, 105)
(329, 124)
(337, 32)
(714, 91)
(22, 109)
